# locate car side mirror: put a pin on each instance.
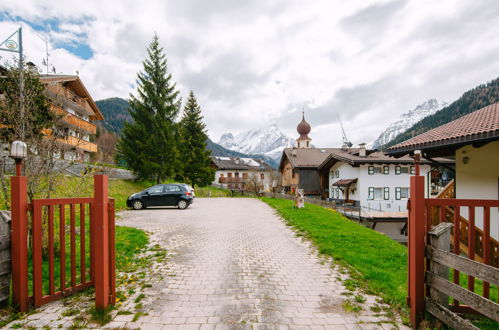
(147, 192)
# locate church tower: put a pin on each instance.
(303, 129)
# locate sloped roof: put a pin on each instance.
(306, 157)
(240, 163)
(477, 127)
(78, 87)
(351, 156)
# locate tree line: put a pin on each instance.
(164, 140)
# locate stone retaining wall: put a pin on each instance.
(5, 265)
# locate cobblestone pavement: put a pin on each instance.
(233, 264)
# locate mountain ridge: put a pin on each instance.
(407, 120)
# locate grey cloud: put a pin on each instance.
(370, 23)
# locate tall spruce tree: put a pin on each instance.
(195, 157)
(149, 144)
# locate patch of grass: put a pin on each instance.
(124, 313)
(211, 192)
(351, 307)
(360, 299)
(139, 298)
(377, 264)
(129, 242)
(137, 316)
(70, 312)
(17, 326)
(101, 316)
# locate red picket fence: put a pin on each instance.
(467, 240)
(55, 241)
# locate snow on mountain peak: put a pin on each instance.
(407, 120)
(268, 141)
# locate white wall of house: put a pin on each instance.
(267, 182)
(479, 179)
(379, 181)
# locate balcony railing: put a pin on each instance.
(75, 121)
(231, 180)
(78, 143)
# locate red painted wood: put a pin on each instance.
(471, 244)
(51, 248)
(462, 202)
(455, 243)
(486, 246)
(101, 242)
(37, 253)
(83, 266)
(112, 254)
(416, 246)
(19, 241)
(92, 242)
(73, 244)
(62, 243)
(67, 201)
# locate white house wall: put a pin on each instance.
(267, 184)
(345, 172)
(377, 180)
(479, 179)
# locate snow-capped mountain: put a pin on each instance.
(268, 141)
(407, 120)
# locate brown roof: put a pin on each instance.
(479, 126)
(306, 157)
(351, 156)
(79, 88)
(345, 182)
(237, 163)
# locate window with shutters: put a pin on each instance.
(374, 170)
(337, 173)
(376, 193)
(245, 176)
(262, 176)
(413, 170)
(386, 169)
(401, 193)
(401, 170)
(386, 193)
(229, 175)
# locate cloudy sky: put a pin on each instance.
(256, 63)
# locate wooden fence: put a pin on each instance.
(440, 260)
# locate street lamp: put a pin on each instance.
(18, 151)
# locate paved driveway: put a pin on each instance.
(235, 265)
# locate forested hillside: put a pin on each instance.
(115, 111)
(470, 101)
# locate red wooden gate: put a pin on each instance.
(71, 236)
(467, 239)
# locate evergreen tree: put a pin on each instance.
(149, 143)
(195, 157)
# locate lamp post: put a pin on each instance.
(19, 228)
(18, 151)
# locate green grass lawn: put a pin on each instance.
(378, 264)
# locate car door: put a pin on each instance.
(174, 193)
(154, 195)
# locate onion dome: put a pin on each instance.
(303, 128)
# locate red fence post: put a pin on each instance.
(112, 254)
(416, 247)
(19, 234)
(101, 242)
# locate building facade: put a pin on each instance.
(240, 173)
(75, 131)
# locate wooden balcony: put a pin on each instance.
(75, 121)
(79, 144)
(231, 180)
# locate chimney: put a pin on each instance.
(362, 149)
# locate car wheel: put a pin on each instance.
(182, 204)
(137, 205)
